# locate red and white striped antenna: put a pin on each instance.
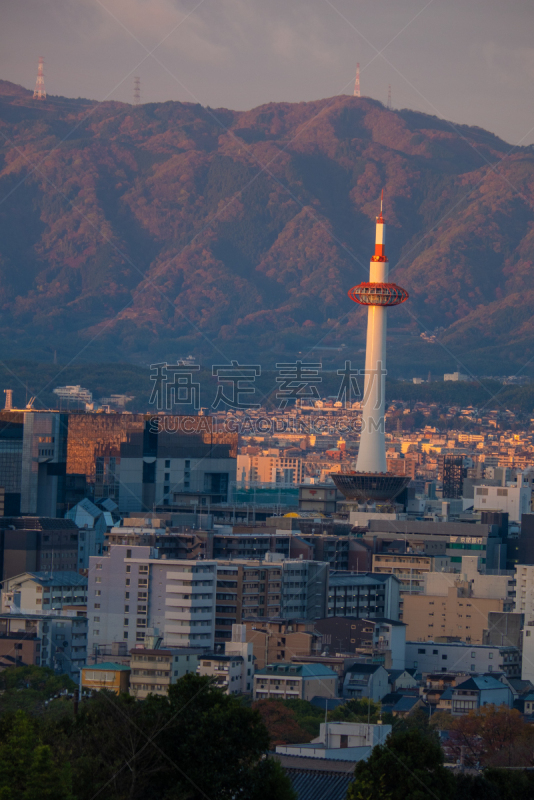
(357, 82)
(40, 91)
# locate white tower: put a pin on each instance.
(372, 452)
(378, 294)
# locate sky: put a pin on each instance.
(467, 61)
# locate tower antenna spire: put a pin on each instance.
(357, 81)
(381, 202)
(137, 91)
(389, 98)
(40, 91)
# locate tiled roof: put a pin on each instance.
(312, 785)
(304, 670)
(66, 578)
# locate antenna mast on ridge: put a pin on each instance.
(40, 91)
(357, 82)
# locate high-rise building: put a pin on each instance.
(130, 592)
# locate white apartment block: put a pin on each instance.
(462, 658)
(130, 591)
(513, 500)
(524, 591)
(270, 468)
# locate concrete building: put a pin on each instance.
(92, 525)
(527, 664)
(233, 672)
(59, 641)
(270, 467)
(524, 591)
(408, 568)
(11, 433)
(278, 640)
(479, 691)
(504, 628)
(108, 675)
(450, 539)
(43, 592)
(163, 469)
(457, 605)
(351, 741)
(294, 681)
(366, 680)
(131, 591)
(34, 544)
(369, 595)
(43, 467)
(512, 500)
(434, 657)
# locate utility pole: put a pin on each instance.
(357, 82)
(40, 91)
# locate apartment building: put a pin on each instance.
(457, 605)
(524, 591)
(279, 640)
(269, 467)
(366, 595)
(512, 500)
(59, 640)
(408, 568)
(131, 590)
(434, 657)
(275, 587)
(42, 592)
(451, 539)
(295, 681)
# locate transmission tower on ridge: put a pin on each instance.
(40, 91)
(357, 82)
(389, 98)
(137, 91)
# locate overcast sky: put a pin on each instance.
(468, 61)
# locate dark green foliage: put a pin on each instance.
(196, 743)
(356, 711)
(409, 766)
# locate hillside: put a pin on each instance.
(151, 232)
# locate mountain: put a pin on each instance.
(150, 232)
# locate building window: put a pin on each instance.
(167, 463)
(96, 633)
(125, 636)
(125, 621)
(128, 568)
(128, 554)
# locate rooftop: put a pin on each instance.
(303, 670)
(107, 665)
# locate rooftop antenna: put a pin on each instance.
(357, 82)
(389, 98)
(40, 91)
(9, 399)
(137, 90)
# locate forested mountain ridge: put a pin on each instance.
(139, 233)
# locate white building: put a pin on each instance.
(74, 394)
(130, 590)
(455, 376)
(512, 499)
(270, 467)
(389, 636)
(42, 592)
(232, 672)
(342, 741)
(464, 658)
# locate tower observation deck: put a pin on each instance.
(371, 482)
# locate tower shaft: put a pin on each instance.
(372, 452)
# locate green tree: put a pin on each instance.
(45, 780)
(16, 750)
(355, 710)
(408, 766)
